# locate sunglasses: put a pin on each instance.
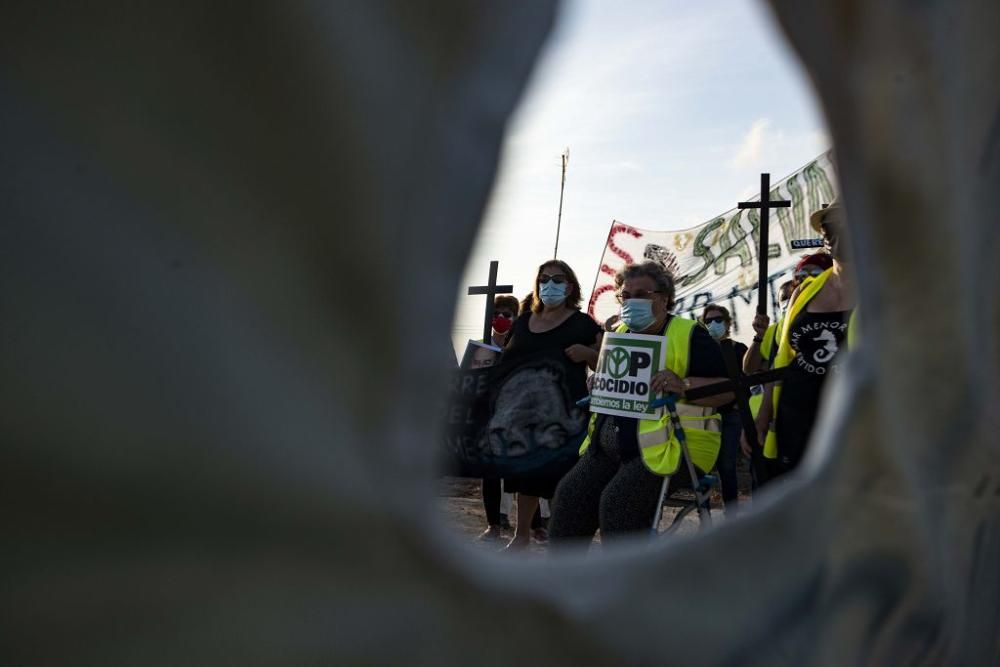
(811, 273)
(558, 279)
(717, 318)
(641, 294)
(504, 314)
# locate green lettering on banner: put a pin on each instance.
(793, 224)
(704, 251)
(819, 190)
(734, 245)
(773, 249)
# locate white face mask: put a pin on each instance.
(717, 329)
(637, 314)
(552, 293)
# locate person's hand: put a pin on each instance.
(762, 430)
(745, 446)
(590, 382)
(579, 354)
(666, 382)
(760, 324)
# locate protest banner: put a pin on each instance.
(716, 262)
(625, 366)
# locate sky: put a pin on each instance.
(670, 111)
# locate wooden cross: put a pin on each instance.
(765, 205)
(491, 289)
(740, 386)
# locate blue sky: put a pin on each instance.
(670, 111)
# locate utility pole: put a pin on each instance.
(562, 187)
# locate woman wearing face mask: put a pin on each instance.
(505, 310)
(811, 266)
(553, 323)
(764, 347)
(815, 330)
(717, 320)
(612, 486)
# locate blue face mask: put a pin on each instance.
(717, 329)
(637, 314)
(552, 293)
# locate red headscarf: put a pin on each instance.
(821, 259)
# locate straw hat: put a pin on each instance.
(816, 219)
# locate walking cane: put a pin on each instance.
(701, 499)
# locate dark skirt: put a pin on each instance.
(542, 484)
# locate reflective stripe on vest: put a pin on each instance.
(655, 432)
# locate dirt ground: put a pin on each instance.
(460, 501)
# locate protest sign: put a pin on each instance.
(480, 355)
(625, 367)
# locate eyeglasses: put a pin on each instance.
(641, 294)
(558, 279)
(810, 273)
(718, 318)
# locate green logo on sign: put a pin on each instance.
(618, 361)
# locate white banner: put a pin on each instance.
(716, 262)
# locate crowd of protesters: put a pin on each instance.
(615, 485)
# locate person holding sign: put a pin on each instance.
(555, 343)
(815, 329)
(615, 485)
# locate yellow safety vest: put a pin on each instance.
(658, 444)
(767, 341)
(767, 346)
(810, 288)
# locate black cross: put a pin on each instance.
(730, 385)
(490, 290)
(765, 205)
(740, 386)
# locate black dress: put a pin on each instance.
(524, 344)
(816, 337)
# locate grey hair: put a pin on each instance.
(661, 277)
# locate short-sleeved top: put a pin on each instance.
(577, 329)
(704, 361)
(816, 338)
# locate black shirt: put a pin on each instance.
(577, 329)
(740, 351)
(816, 337)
